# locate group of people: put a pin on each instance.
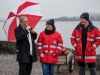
(85, 39)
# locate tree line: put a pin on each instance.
(92, 18)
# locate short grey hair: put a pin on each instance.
(22, 18)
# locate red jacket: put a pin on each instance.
(93, 41)
(48, 45)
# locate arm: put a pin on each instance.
(34, 35)
(60, 45)
(97, 39)
(73, 39)
(20, 35)
(39, 44)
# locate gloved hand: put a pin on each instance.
(64, 51)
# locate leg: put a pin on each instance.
(45, 68)
(51, 69)
(22, 68)
(57, 68)
(29, 67)
(92, 68)
(81, 68)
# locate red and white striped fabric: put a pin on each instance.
(31, 10)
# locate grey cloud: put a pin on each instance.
(54, 8)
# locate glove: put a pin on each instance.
(64, 51)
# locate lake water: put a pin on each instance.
(65, 28)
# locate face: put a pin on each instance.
(48, 26)
(24, 22)
(83, 21)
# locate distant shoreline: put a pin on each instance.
(62, 21)
(55, 20)
(2, 21)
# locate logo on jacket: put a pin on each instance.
(55, 42)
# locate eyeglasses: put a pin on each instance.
(25, 21)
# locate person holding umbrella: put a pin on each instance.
(85, 39)
(26, 50)
(31, 10)
(49, 46)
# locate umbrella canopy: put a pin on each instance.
(31, 10)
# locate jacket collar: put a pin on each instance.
(20, 27)
(91, 26)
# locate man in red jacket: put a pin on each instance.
(49, 44)
(85, 39)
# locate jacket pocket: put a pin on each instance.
(91, 51)
(44, 59)
(53, 58)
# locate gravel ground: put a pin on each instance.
(9, 66)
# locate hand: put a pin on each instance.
(28, 27)
(54, 54)
(66, 52)
(42, 55)
(33, 31)
(63, 49)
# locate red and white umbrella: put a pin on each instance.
(31, 10)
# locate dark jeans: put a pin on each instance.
(48, 69)
(25, 68)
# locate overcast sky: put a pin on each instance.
(54, 8)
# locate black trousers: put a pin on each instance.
(25, 68)
(90, 65)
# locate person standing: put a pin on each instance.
(26, 50)
(49, 45)
(85, 39)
